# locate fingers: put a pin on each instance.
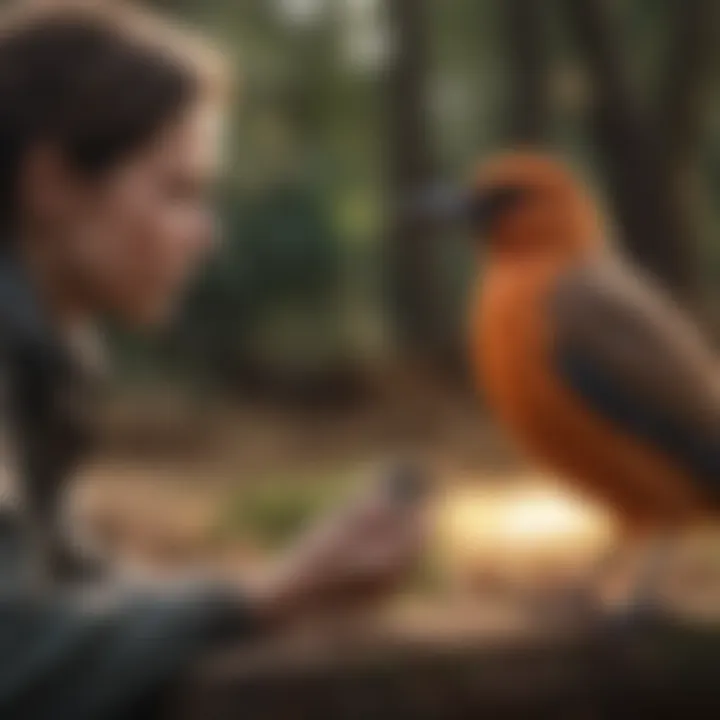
(362, 550)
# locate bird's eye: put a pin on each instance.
(493, 203)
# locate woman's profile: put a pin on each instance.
(110, 124)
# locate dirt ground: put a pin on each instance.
(168, 470)
(165, 467)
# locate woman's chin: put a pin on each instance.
(148, 317)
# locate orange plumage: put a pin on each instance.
(589, 366)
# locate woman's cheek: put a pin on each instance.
(188, 243)
(171, 256)
(142, 265)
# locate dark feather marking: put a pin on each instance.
(698, 455)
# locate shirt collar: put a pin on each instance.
(24, 323)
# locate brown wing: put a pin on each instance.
(635, 357)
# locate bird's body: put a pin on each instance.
(589, 365)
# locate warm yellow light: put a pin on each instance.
(498, 524)
(546, 516)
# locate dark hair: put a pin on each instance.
(96, 81)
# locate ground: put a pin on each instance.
(181, 481)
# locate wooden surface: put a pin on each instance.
(665, 670)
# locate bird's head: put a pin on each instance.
(523, 203)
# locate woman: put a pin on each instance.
(109, 130)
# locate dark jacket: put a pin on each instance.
(68, 649)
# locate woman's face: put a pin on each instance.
(130, 241)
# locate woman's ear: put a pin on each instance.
(48, 189)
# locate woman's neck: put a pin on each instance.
(57, 295)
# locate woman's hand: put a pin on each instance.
(355, 555)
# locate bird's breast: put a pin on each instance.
(512, 344)
(511, 338)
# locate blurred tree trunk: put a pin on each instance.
(689, 71)
(413, 272)
(528, 111)
(646, 156)
(682, 109)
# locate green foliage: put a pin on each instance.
(304, 205)
(278, 272)
(270, 514)
(286, 246)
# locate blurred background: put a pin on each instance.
(328, 336)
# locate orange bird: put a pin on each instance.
(588, 363)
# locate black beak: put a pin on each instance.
(473, 210)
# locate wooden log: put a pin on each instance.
(667, 670)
